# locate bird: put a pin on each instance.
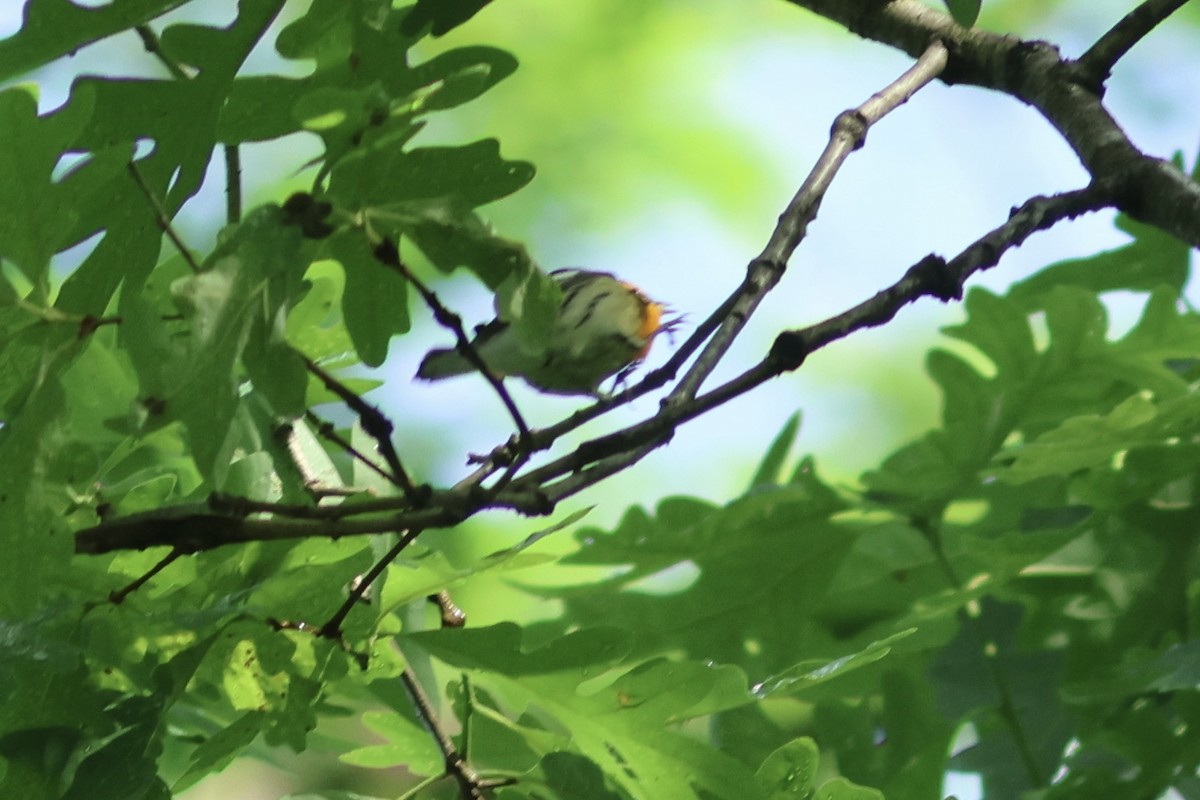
(604, 326)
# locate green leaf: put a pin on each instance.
(1152, 260)
(442, 15)
(125, 766)
(769, 470)
(408, 745)
(375, 301)
(459, 76)
(54, 28)
(36, 537)
(1174, 669)
(385, 175)
(35, 761)
(619, 726)
(965, 12)
(427, 194)
(315, 325)
(842, 789)
(790, 771)
(219, 749)
(1084, 442)
(808, 674)
(498, 648)
(965, 676)
(571, 775)
(235, 311)
(38, 215)
(998, 327)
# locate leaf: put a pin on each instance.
(1084, 442)
(35, 533)
(385, 175)
(965, 12)
(458, 76)
(221, 748)
(375, 300)
(806, 674)
(571, 775)
(998, 327)
(442, 15)
(964, 675)
(54, 28)
(1172, 670)
(38, 215)
(1152, 260)
(769, 470)
(125, 766)
(424, 573)
(620, 726)
(408, 745)
(753, 575)
(428, 194)
(35, 761)
(314, 326)
(842, 789)
(499, 648)
(236, 311)
(790, 771)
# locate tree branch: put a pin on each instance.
(376, 425)
(931, 276)
(764, 272)
(537, 491)
(233, 184)
(160, 213)
(387, 254)
(1102, 56)
(1148, 189)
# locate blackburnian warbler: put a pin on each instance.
(603, 326)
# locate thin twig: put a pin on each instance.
(233, 184)
(764, 272)
(325, 429)
(1102, 56)
(332, 627)
(542, 438)
(388, 255)
(164, 221)
(374, 423)
(154, 46)
(117, 597)
(90, 323)
(471, 784)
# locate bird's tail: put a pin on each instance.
(443, 363)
